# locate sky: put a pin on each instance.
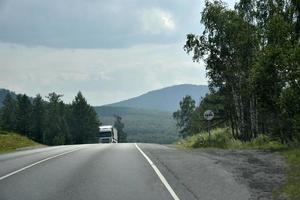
(110, 50)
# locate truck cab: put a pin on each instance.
(108, 134)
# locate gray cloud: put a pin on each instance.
(96, 24)
(103, 75)
(110, 50)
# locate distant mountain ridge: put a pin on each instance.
(166, 99)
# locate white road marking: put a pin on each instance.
(36, 163)
(159, 174)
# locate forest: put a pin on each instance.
(50, 122)
(252, 58)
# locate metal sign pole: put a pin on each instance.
(208, 121)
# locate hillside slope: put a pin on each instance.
(12, 141)
(166, 98)
(142, 125)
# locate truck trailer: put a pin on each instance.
(108, 134)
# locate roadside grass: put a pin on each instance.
(292, 186)
(11, 141)
(222, 138)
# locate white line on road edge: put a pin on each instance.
(159, 174)
(36, 163)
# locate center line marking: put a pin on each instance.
(36, 163)
(159, 174)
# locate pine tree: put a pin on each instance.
(23, 115)
(38, 119)
(84, 123)
(8, 114)
(56, 126)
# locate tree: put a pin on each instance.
(38, 119)
(84, 123)
(215, 102)
(23, 115)
(8, 114)
(183, 116)
(252, 55)
(119, 125)
(56, 126)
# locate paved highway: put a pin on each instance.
(115, 171)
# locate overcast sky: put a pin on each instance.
(110, 50)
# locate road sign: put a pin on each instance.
(208, 115)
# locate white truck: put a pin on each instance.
(108, 134)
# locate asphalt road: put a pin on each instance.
(115, 171)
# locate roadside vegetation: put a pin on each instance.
(292, 187)
(11, 141)
(222, 138)
(252, 57)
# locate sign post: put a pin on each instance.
(208, 115)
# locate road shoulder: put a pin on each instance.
(219, 174)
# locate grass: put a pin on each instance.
(292, 186)
(12, 141)
(221, 138)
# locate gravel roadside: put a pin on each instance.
(220, 174)
(262, 171)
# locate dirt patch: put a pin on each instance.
(263, 172)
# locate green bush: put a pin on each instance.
(220, 138)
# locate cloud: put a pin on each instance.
(96, 23)
(110, 50)
(103, 75)
(155, 21)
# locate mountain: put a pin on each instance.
(148, 118)
(166, 99)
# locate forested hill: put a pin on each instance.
(166, 99)
(142, 125)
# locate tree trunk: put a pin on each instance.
(253, 115)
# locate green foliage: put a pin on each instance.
(84, 123)
(56, 127)
(222, 138)
(23, 115)
(291, 187)
(50, 122)
(10, 141)
(214, 101)
(252, 56)
(183, 116)
(8, 114)
(38, 119)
